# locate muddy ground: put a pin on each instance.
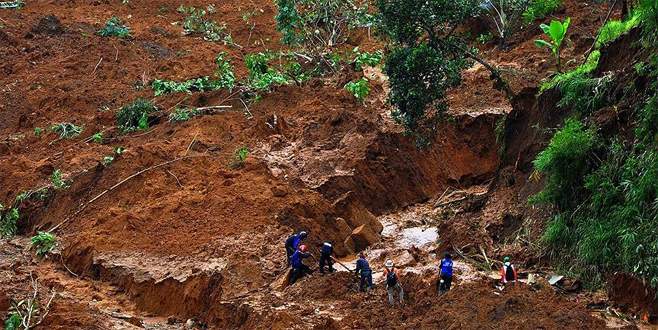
(198, 241)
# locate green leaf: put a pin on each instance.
(545, 28)
(556, 31)
(543, 43)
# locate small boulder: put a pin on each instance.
(361, 237)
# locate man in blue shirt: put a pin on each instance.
(445, 274)
(297, 263)
(363, 269)
(292, 243)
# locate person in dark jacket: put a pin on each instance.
(299, 270)
(292, 243)
(508, 272)
(445, 274)
(326, 250)
(363, 269)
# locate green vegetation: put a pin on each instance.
(57, 181)
(261, 76)
(506, 16)
(196, 23)
(38, 131)
(485, 38)
(565, 161)
(365, 59)
(66, 130)
(97, 137)
(427, 59)
(135, 115)
(223, 78)
(556, 32)
(239, 157)
(114, 28)
(9, 222)
(320, 24)
(183, 114)
(13, 322)
(43, 243)
(16, 4)
(360, 89)
(539, 9)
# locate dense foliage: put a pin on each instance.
(605, 188)
(135, 116)
(539, 9)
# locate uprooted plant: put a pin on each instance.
(223, 77)
(135, 116)
(28, 313)
(43, 243)
(9, 222)
(359, 89)
(114, 28)
(196, 22)
(66, 130)
(57, 181)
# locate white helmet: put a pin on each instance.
(389, 263)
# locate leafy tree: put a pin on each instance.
(428, 58)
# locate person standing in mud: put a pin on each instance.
(445, 274)
(508, 272)
(299, 270)
(326, 250)
(392, 276)
(363, 270)
(292, 243)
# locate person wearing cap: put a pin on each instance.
(292, 243)
(392, 276)
(299, 270)
(326, 250)
(445, 274)
(363, 270)
(508, 272)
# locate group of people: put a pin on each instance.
(297, 251)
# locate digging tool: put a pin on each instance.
(340, 263)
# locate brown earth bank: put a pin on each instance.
(201, 239)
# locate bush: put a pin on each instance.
(613, 29)
(135, 115)
(360, 89)
(9, 222)
(57, 181)
(261, 75)
(43, 243)
(13, 321)
(66, 130)
(114, 28)
(364, 59)
(539, 9)
(320, 24)
(565, 161)
(196, 23)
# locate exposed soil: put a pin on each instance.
(201, 240)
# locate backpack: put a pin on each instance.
(509, 273)
(391, 278)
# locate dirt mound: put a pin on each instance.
(48, 25)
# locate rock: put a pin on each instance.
(279, 192)
(405, 260)
(361, 237)
(342, 226)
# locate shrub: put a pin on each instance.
(360, 89)
(565, 161)
(13, 321)
(261, 75)
(97, 137)
(135, 115)
(66, 130)
(363, 59)
(239, 157)
(539, 9)
(57, 181)
(9, 222)
(225, 77)
(557, 31)
(196, 23)
(38, 131)
(43, 243)
(114, 28)
(183, 114)
(506, 15)
(320, 24)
